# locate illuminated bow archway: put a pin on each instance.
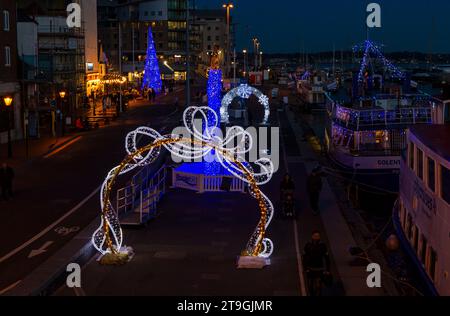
(244, 91)
(108, 238)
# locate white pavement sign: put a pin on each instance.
(37, 252)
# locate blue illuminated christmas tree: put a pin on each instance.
(152, 75)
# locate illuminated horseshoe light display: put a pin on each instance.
(244, 91)
(108, 238)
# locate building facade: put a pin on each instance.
(212, 26)
(10, 116)
(123, 27)
(65, 56)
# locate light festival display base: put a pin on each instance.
(249, 262)
(108, 238)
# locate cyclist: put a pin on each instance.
(287, 188)
(316, 263)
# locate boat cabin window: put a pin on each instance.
(432, 266)
(411, 155)
(415, 241)
(445, 184)
(409, 227)
(447, 114)
(419, 163)
(423, 249)
(431, 175)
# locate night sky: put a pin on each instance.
(288, 25)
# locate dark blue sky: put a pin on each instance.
(287, 25)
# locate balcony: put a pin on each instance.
(53, 30)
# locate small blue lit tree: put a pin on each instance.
(152, 75)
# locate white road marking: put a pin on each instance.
(296, 234)
(299, 260)
(49, 228)
(6, 289)
(43, 249)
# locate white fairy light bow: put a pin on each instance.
(227, 153)
(244, 91)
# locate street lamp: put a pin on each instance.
(8, 101)
(62, 95)
(245, 62)
(255, 51)
(260, 59)
(228, 7)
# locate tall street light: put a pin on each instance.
(245, 62)
(228, 7)
(255, 52)
(8, 101)
(260, 60)
(62, 95)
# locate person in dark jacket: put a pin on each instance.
(6, 181)
(314, 187)
(287, 188)
(316, 261)
(287, 183)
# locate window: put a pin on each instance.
(217, 38)
(409, 227)
(415, 242)
(447, 114)
(423, 250)
(6, 20)
(411, 155)
(160, 13)
(445, 184)
(7, 56)
(209, 38)
(146, 13)
(432, 267)
(420, 163)
(431, 174)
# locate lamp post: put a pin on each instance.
(8, 101)
(188, 57)
(260, 60)
(255, 51)
(228, 7)
(62, 95)
(245, 62)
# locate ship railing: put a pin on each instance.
(375, 153)
(363, 119)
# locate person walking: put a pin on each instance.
(316, 262)
(153, 95)
(177, 103)
(104, 102)
(314, 187)
(287, 188)
(6, 181)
